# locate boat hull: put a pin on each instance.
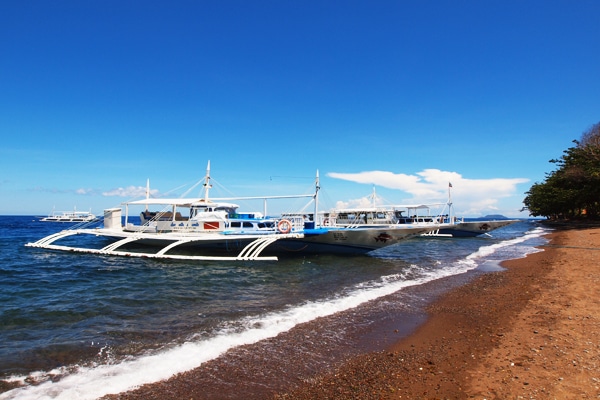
(68, 220)
(474, 228)
(343, 241)
(216, 246)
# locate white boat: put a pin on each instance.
(448, 224)
(70, 216)
(214, 229)
(439, 217)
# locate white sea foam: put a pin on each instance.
(90, 383)
(473, 259)
(100, 380)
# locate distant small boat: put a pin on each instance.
(70, 216)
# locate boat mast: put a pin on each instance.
(317, 187)
(450, 209)
(373, 197)
(207, 184)
(147, 192)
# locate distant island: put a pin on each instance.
(494, 216)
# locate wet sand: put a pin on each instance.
(529, 331)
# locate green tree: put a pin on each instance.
(573, 190)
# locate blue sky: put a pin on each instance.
(403, 96)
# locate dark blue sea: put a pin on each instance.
(77, 326)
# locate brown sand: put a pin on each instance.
(529, 332)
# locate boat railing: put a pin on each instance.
(289, 223)
(298, 224)
(285, 224)
(328, 220)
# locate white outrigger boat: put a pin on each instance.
(439, 217)
(440, 225)
(213, 229)
(70, 216)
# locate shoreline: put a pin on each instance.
(493, 335)
(532, 331)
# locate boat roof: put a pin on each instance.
(388, 207)
(362, 209)
(180, 202)
(183, 202)
(177, 202)
(428, 205)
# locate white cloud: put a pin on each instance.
(469, 196)
(84, 191)
(130, 192)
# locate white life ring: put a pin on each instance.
(284, 226)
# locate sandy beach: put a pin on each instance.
(531, 331)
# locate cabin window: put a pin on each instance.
(236, 224)
(247, 225)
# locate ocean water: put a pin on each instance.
(83, 326)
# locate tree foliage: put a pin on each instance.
(573, 189)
